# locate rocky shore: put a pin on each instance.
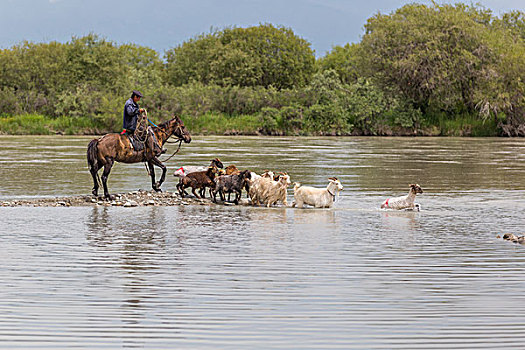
(138, 198)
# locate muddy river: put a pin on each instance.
(239, 277)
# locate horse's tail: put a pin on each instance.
(92, 154)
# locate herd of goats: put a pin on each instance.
(268, 188)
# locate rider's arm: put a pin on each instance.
(132, 109)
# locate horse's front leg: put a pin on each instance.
(152, 175)
(156, 185)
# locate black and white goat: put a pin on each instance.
(230, 184)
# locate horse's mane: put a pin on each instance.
(165, 124)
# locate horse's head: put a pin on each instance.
(179, 130)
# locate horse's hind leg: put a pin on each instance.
(105, 174)
(93, 172)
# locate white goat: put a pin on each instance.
(317, 197)
(265, 190)
(253, 184)
(404, 202)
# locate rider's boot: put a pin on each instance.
(157, 150)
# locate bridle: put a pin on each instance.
(179, 139)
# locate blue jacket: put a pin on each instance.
(131, 111)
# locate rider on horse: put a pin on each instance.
(129, 125)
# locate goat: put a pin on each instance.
(254, 180)
(198, 180)
(404, 202)
(317, 197)
(255, 187)
(230, 184)
(277, 190)
(185, 170)
(232, 170)
(268, 191)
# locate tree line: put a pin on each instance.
(420, 70)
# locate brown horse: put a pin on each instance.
(103, 152)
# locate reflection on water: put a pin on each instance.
(223, 277)
(400, 220)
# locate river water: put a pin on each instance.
(226, 277)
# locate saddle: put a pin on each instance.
(139, 142)
(144, 137)
(136, 144)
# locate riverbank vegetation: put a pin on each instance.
(420, 70)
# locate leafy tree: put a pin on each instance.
(77, 78)
(343, 60)
(513, 21)
(256, 56)
(434, 56)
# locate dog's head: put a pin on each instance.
(416, 188)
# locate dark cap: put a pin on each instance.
(137, 93)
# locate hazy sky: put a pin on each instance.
(164, 24)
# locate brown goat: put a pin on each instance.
(198, 180)
(232, 170)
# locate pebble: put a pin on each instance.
(131, 199)
(130, 204)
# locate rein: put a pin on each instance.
(174, 153)
(165, 160)
(180, 139)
